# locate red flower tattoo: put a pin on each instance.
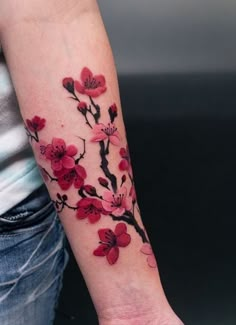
(103, 132)
(91, 85)
(36, 123)
(60, 154)
(68, 177)
(125, 162)
(117, 203)
(111, 241)
(90, 208)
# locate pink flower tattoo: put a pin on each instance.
(60, 154)
(91, 85)
(117, 203)
(103, 132)
(110, 242)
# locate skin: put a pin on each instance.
(54, 40)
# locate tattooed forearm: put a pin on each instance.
(113, 194)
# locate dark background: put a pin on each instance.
(171, 36)
(182, 134)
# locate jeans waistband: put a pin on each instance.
(31, 210)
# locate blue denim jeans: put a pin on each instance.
(32, 260)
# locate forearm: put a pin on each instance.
(81, 148)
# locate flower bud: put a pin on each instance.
(103, 182)
(123, 179)
(91, 190)
(68, 84)
(112, 112)
(64, 197)
(59, 196)
(82, 108)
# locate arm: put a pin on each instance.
(64, 75)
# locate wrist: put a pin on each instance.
(138, 306)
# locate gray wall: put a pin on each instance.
(159, 36)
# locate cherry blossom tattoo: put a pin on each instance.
(111, 196)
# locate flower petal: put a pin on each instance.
(86, 74)
(107, 206)
(152, 261)
(81, 171)
(102, 250)
(115, 139)
(123, 153)
(68, 162)
(81, 213)
(78, 182)
(99, 137)
(65, 184)
(56, 164)
(124, 165)
(98, 133)
(94, 216)
(127, 203)
(120, 228)
(146, 249)
(71, 150)
(118, 211)
(49, 152)
(100, 79)
(85, 202)
(79, 87)
(123, 240)
(113, 255)
(108, 196)
(58, 143)
(105, 234)
(93, 92)
(97, 204)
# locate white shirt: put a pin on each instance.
(19, 174)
